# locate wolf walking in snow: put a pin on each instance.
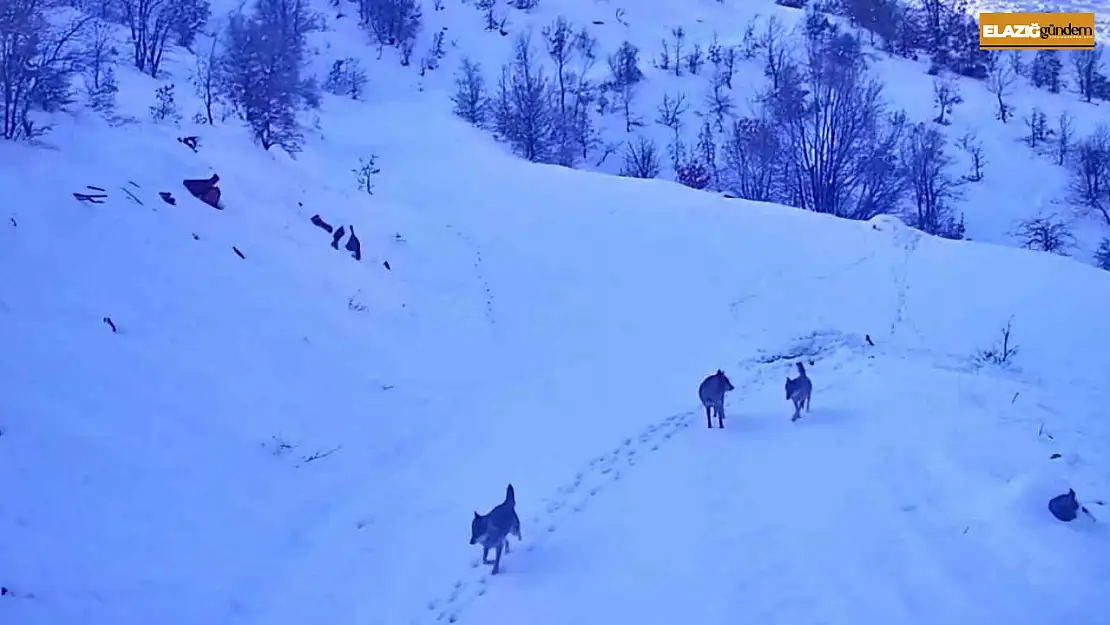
(712, 394)
(492, 530)
(799, 390)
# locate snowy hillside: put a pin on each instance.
(211, 416)
(687, 50)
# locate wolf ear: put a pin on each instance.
(476, 515)
(719, 372)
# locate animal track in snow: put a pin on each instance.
(479, 272)
(570, 498)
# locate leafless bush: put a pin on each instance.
(1003, 350)
(1000, 82)
(946, 95)
(1045, 234)
(1090, 173)
(99, 58)
(1037, 123)
(641, 159)
(970, 143)
(346, 78)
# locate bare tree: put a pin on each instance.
(663, 62)
(37, 62)
(166, 107)
(153, 22)
(719, 103)
(1045, 234)
(931, 184)
(205, 80)
(1064, 137)
(772, 46)
(729, 57)
(1000, 82)
(1037, 123)
(752, 162)
(1002, 352)
(679, 36)
(1088, 67)
(946, 95)
(749, 41)
(641, 159)
(971, 144)
(346, 78)
(882, 183)
(583, 127)
(864, 13)
(523, 109)
(1046, 70)
(263, 70)
(714, 54)
(470, 98)
(564, 46)
(625, 77)
(887, 19)
(1090, 172)
(695, 59)
(671, 112)
(559, 40)
(435, 53)
(487, 9)
(1102, 254)
(98, 66)
(150, 25)
(392, 23)
(706, 151)
(830, 113)
(935, 18)
(189, 18)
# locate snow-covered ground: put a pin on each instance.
(294, 436)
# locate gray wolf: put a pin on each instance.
(492, 530)
(712, 394)
(799, 391)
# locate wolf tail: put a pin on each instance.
(510, 495)
(801, 369)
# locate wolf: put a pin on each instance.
(492, 530)
(712, 394)
(799, 391)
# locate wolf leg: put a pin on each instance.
(485, 555)
(709, 417)
(497, 559)
(507, 550)
(721, 416)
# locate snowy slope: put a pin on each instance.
(535, 318)
(535, 325)
(1019, 183)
